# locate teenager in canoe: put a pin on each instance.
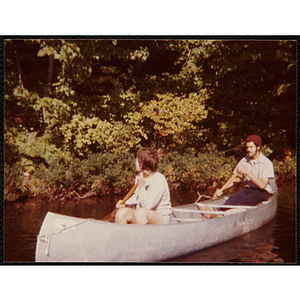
(150, 203)
(256, 170)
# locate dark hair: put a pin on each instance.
(148, 159)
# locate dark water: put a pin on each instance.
(273, 243)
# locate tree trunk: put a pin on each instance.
(19, 70)
(50, 75)
(48, 88)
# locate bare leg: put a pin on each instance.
(144, 216)
(125, 215)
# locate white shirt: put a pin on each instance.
(154, 195)
(260, 168)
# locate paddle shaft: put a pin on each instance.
(111, 216)
(228, 183)
(130, 193)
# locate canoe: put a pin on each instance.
(68, 239)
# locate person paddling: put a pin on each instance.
(150, 203)
(257, 172)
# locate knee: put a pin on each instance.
(122, 215)
(232, 200)
(141, 216)
(236, 198)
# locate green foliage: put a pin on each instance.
(175, 117)
(188, 170)
(286, 170)
(15, 185)
(108, 173)
(105, 173)
(252, 90)
(83, 135)
(70, 98)
(266, 150)
(55, 110)
(38, 147)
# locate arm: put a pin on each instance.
(130, 198)
(219, 192)
(234, 180)
(261, 183)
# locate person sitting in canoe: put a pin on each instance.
(257, 171)
(150, 203)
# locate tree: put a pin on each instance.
(67, 98)
(174, 119)
(252, 87)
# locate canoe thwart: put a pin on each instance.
(184, 219)
(197, 211)
(227, 206)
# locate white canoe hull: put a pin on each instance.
(68, 239)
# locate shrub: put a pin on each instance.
(83, 135)
(186, 171)
(285, 170)
(108, 173)
(15, 185)
(103, 173)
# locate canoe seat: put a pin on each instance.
(225, 206)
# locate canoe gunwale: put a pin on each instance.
(233, 209)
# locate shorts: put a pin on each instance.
(167, 219)
(248, 196)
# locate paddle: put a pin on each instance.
(111, 216)
(225, 186)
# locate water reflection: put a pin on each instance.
(253, 247)
(284, 232)
(273, 243)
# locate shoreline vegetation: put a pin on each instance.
(78, 110)
(108, 174)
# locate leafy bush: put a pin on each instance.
(186, 171)
(15, 185)
(108, 173)
(102, 173)
(285, 170)
(175, 118)
(92, 134)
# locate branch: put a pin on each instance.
(239, 146)
(186, 59)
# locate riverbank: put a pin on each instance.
(92, 197)
(107, 174)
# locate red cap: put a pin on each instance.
(255, 139)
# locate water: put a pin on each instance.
(273, 243)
